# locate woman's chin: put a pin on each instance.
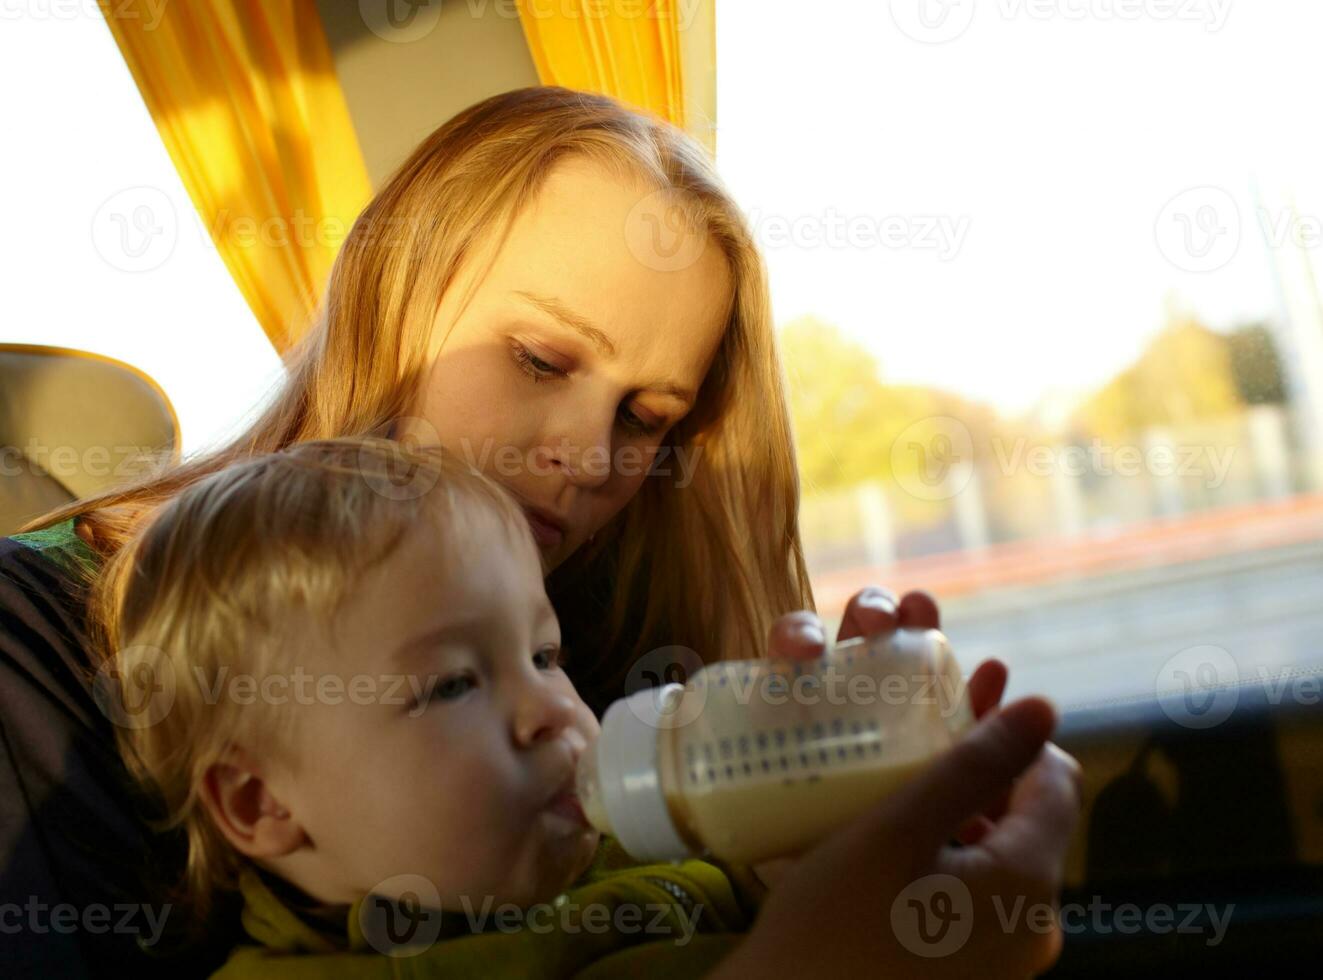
(551, 558)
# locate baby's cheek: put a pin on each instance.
(589, 726)
(478, 820)
(495, 865)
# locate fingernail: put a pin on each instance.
(877, 600)
(809, 634)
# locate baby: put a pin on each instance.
(351, 697)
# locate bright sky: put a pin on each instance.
(78, 145)
(1028, 159)
(1054, 139)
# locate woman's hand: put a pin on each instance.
(872, 610)
(799, 635)
(888, 895)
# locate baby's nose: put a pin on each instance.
(543, 716)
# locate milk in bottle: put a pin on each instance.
(755, 759)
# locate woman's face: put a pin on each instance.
(586, 342)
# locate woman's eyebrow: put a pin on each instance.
(567, 317)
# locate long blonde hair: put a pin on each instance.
(708, 566)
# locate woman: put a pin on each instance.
(560, 290)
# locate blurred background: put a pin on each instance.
(1045, 275)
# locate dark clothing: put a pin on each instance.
(82, 877)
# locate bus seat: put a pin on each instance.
(73, 424)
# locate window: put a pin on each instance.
(103, 250)
(1046, 276)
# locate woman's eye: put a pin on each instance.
(548, 658)
(542, 370)
(636, 424)
(534, 366)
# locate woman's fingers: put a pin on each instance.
(974, 830)
(918, 611)
(770, 872)
(970, 776)
(875, 610)
(1040, 817)
(869, 611)
(872, 610)
(796, 636)
(986, 686)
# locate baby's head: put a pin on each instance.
(358, 677)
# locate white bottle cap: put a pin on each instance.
(628, 778)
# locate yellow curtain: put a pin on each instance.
(245, 97)
(655, 55)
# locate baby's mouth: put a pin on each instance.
(566, 806)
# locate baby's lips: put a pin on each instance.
(566, 804)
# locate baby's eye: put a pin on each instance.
(547, 658)
(452, 687)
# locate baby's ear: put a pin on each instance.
(245, 810)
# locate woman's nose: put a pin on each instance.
(582, 452)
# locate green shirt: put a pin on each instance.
(61, 544)
(655, 920)
(661, 920)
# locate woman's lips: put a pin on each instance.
(546, 534)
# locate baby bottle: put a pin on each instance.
(761, 758)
